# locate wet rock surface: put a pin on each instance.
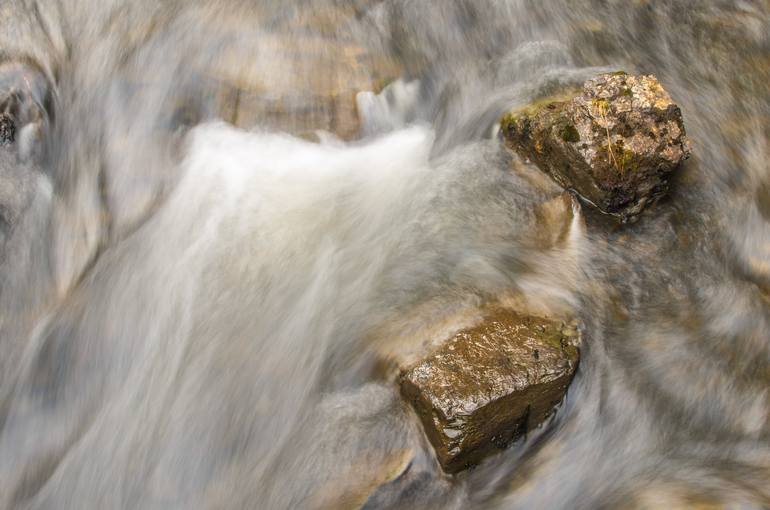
(615, 142)
(300, 75)
(491, 383)
(322, 96)
(557, 220)
(301, 81)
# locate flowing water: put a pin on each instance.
(194, 315)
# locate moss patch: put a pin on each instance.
(508, 122)
(625, 159)
(570, 134)
(553, 102)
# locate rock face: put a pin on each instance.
(490, 383)
(615, 143)
(7, 129)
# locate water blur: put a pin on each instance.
(202, 270)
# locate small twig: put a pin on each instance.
(612, 159)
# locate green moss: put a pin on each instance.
(558, 340)
(570, 134)
(508, 122)
(627, 92)
(530, 110)
(620, 73)
(623, 159)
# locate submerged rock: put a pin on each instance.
(303, 84)
(558, 221)
(615, 142)
(491, 383)
(7, 129)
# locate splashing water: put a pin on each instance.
(202, 268)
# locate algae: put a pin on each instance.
(570, 134)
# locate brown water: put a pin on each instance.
(192, 315)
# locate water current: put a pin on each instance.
(203, 265)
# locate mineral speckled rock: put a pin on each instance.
(615, 142)
(490, 383)
(7, 129)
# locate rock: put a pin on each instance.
(7, 129)
(353, 485)
(298, 73)
(302, 84)
(557, 220)
(615, 142)
(491, 383)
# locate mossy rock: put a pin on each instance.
(615, 142)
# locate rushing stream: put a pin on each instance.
(194, 315)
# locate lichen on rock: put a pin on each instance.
(615, 142)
